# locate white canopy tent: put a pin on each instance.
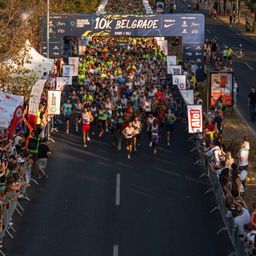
(33, 61)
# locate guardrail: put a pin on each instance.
(240, 248)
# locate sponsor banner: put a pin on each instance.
(171, 61)
(10, 109)
(188, 96)
(180, 81)
(67, 70)
(60, 83)
(69, 80)
(54, 98)
(174, 70)
(163, 46)
(221, 85)
(35, 97)
(195, 120)
(74, 61)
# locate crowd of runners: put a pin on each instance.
(121, 89)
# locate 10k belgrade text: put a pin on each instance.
(102, 23)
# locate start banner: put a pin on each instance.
(195, 120)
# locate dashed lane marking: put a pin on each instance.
(118, 180)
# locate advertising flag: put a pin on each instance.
(180, 81)
(74, 62)
(67, 70)
(195, 120)
(60, 83)
(188, 96)
(174, 70)
(54, 98)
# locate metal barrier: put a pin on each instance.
(229, 225)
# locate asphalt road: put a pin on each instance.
(161, 208)
(96, 202)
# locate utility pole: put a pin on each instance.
(237, 11)
(48, 28)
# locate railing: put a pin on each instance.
(240, 248)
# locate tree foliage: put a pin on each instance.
(252, 5)
(19, 21)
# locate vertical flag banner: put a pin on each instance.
(35, 97)
(60, 83)
(163, 46)
(188, 96)
(180, 81)
(69, 80)
(67, 70)
(222, 86)
(174, 70)
(171, 60)
(74, 62)
(54, 98)
(195, 120)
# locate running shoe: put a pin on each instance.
(129, 156)
(85, 146)
(155, 151)
(76, 128)
(88, 138)
(150, 144)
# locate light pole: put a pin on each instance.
(237, 11)
(48, 28)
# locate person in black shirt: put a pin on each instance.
(43, 154)
(252, 103)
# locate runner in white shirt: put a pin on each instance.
(128, 133)
(137, 129)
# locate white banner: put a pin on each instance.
(60, 83)
(54, 102)
(67, 70)
(171, 60)
(69, 81)
(163, 46)
(195, 120)
(174, 70)
(180, 81)
(188, 96)
(74, 62)
(35, 97)
(8, 106)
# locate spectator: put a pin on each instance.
(43, 154)
(242, 217)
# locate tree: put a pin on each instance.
(20, 21)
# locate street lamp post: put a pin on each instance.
(237, 10)
(48, 28)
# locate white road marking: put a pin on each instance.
(250, 67)
(216, 37)
(118, 179)
(115, 250)
(208, 31)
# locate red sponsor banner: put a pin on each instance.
(195, 121)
